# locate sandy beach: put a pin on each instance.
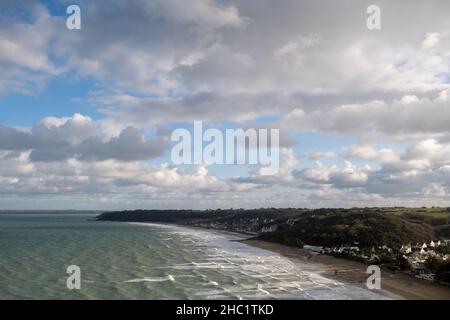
(353, 272)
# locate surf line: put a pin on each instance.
(187, 310)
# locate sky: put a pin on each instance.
(86, 115)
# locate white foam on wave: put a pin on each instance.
(159, 279)
(235, 269)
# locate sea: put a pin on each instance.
(119, 260)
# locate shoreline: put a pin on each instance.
(348, 271)
(353, 272)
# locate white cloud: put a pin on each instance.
(430, 150)
(56, 139)
(161, 62)
(25, 61)
(368, 152)
(431, 40)
(346, 177)
(407, 117)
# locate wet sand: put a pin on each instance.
(353, 272)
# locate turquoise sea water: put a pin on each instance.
(148, 261)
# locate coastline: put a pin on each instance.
(354, 273)
(351, 272)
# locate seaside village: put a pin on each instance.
(418, 255)
(413, 257)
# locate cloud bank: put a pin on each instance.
(310, 68)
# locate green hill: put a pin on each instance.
(367, 228)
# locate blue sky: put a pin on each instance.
(61, 98)
(86, 115)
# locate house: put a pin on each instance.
(406, 249)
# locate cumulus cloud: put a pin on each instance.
(56, 139)
(422, 167)
(109, 176)
(428, 149)
(431, 40)
(368, 152)
(405, 117)
(346, 177)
